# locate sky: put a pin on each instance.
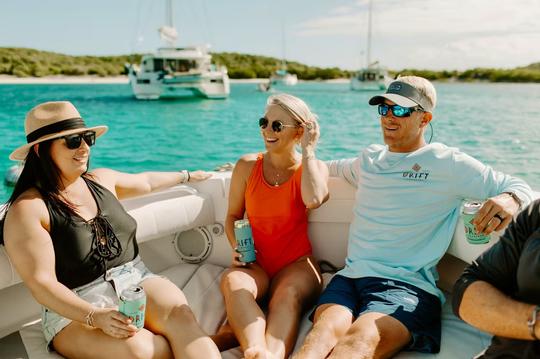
(421, 34)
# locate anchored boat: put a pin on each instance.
(177, 71)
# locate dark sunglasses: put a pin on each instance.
(397, 110)
(74, 141)
(277, 125)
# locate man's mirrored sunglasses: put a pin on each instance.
(277, 125)
(74, 141)
(397, 110)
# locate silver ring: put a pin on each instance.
(498, 216)
(309, 126)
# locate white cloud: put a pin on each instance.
(469, 33)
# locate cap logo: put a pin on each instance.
(395, 87)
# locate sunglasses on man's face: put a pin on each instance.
(277, 125)
(397, 110)
(74, 141)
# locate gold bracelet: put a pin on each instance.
(90, 318)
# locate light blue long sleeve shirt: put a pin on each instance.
(407, 206)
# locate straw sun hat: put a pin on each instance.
(51, 120)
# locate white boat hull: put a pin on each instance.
(214, 85)
(164, 220)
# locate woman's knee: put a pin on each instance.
(146, 345)
(288, 297)
(235, 280)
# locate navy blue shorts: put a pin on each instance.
(415, 308)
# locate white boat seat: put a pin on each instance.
(201, 287)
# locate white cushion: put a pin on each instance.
(201, 287)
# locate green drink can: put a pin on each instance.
(133, 304)
(470, 209)
(244, 241)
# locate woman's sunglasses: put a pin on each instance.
(277, 125)
(397, 110)
(74, 141)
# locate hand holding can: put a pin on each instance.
(470, 209)
(133, 305)
(244, 241)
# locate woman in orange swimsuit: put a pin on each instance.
(276, 189)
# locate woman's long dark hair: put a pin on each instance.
(42, 173)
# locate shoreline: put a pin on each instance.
(13, 80)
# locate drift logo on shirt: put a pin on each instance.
(416, 174)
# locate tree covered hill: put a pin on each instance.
(22, 62)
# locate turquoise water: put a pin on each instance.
(497, 123)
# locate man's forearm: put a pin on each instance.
(490, 310)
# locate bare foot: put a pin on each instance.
(255, 353)
(225, 338)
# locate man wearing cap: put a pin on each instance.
(408, 201)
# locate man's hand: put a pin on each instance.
(495, 214)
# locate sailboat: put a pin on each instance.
(177, 71)
(282, 76)
(373, 76)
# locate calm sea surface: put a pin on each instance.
(497, 123)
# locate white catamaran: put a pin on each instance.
(177, 71)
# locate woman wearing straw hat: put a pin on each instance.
(275, 189)
(74, 246)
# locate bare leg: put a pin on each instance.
(330, 323)
(81, 341)
(168, 314)
(241, 288)
(293, 289)
(372, 335)
(225, 338)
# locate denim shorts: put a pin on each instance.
(103, 292)
(415, 308)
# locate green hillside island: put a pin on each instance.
(21, 62)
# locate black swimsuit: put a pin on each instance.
(84, 250)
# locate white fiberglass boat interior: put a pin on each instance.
(180, 235)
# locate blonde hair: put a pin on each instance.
(294, 106)
(424, 86)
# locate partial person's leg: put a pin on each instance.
(241, 288)
(330, 323)
(81, 341)
(333, 317)
(372, 335)
(168, 314)
(294, 288)
(393, 315)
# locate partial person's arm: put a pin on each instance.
(481, 295)
(474, 180)
(314, 171)
(31, 251)
(348, 169)
(237, 205)
(127, 185)
(490, 310)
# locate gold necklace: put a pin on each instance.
(276, 181)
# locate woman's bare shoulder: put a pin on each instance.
(246, 162)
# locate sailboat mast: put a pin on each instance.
(368, 50)
(169, 14)
(284, 46)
